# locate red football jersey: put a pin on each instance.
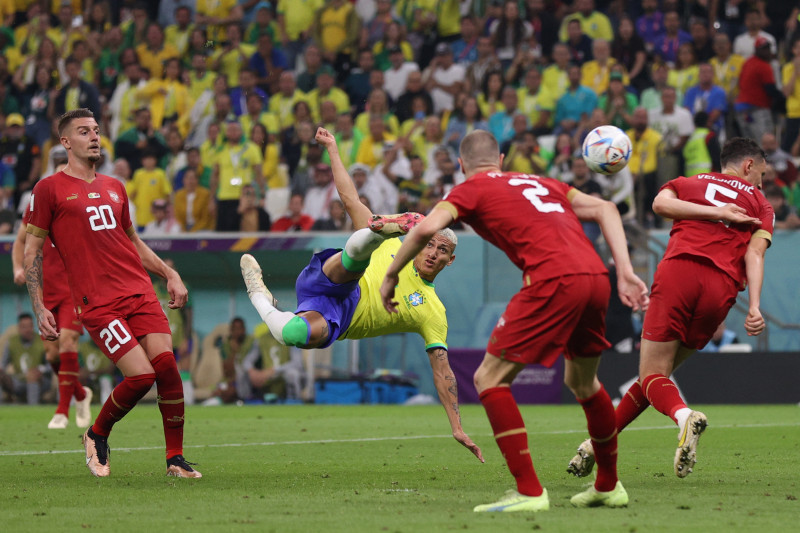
(55, 283)
(530, 218)
(90, 225)
(723, 244)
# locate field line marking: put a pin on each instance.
(4, 453)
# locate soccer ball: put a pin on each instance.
(606, 149)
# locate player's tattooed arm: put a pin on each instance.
(445, 381)
(32, 261)
(33, 279)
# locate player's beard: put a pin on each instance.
(93, 159)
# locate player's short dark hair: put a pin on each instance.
(23, 316)
(700, 119)
(65, 119)
(739, 148)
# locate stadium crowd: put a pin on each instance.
(208, 109)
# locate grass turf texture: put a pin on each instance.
(389, 468)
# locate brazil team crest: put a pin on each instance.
(414, 299)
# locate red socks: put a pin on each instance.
(170, 401)
(662, 394)
(511, 437)
(631, 406)
(122, 399)
(603, 431)
(68, 384)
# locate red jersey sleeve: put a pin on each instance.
(461, 200)
(40, 209)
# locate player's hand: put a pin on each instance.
(736, 215)
(754, 323)
(47, 325)
(387, 292)
(632, 291)
(19, 276)
(464, 439)
(326, 139)
(177, 292)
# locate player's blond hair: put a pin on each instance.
(450, 235)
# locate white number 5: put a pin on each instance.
(534, 194)
(713, 189)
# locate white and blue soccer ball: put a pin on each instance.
(606, 149)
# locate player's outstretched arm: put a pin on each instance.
(668, 205)
(33, 279)
(414, 242)
(152, 263)
(754, 267)
(358, 212)
(18, 254)
(445, 381)
(632, 290)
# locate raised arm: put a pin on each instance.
(668, 205)
(632, 290)
(358, 212)
(175, 287)
(754, 267)
(33, 278)
(445, 381)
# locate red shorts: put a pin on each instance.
(560, 315)
(688, 300)
(115, 328)
(65, 315)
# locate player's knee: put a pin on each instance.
(296, 332)
(142, 382)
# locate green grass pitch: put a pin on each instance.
(390, 468)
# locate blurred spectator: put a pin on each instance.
(176, 156)
(191, 203)
(148, 184)
(487, 61)
(336, 220)
(29, 374)
(321, 192)
(785, 214)
(169, 100)
(237, 164)
(464, 119)
(666, 45)
(374, 30)
(194, 162)
(267, 62)
(593, 23)
(327, 90)
(491, 94)
(709, 98)
(163, 222)
(675, 124)
(301, 152)
(554, 78)
(578, 43)
(255, 114)
(757, 93)
(509, 33)
(523, 156)
(125, 98)
(155, 51)
(501, 123)
(727, 68)
(201, 79)
(356, 85)
(295, 219)
(790, 73)
(595, 73)
(583, 180)
(294, 21)
(465, 48)
(629, 51)
(245, 87)
(617, 103)
(544, 24)
(643, 163)
(218, 18)
(397, 75)
(701, 152)
(282, 103)
(746, 43)
(237, 349)
(393, 38)
(312, 63)
(781, 161)
(618, 189)
(36, 98)
(444, 78)
(252, 215)
(274, 374)
(377, 104)
(576, 104)
(20, 154)
(131, 144)
(233, 55)
(178, 27)
(370, 151)
(413, 191)
(685, 72)
(560, 167)
(262, 23)
(651, 97)
(336, 29)
(218, 109)
(701, 40)
(414, 88)
(76, 93)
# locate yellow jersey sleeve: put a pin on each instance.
(419, 310)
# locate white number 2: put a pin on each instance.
(711, 192)
(115, 332)
(101, 217)
(534, 194)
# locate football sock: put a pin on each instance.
(359, 248)
(662, 394)
(122, 399)
(275, 319)
(170, 401)
(681, 416)
(67, 378)
(603, 431)
(631, 406)
(512, 439)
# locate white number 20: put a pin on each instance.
(115, 332)
(534, 194)
(101, 217)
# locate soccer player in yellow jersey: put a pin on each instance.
(338, 292)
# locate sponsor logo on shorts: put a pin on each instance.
(94, 195)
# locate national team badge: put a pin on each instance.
(415, 299)
(114, 196)
(94, 195)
